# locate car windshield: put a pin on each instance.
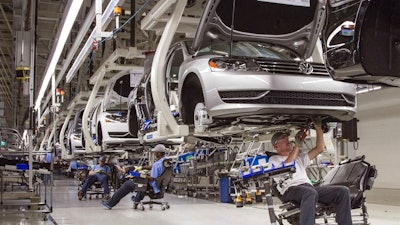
(247, 49)
(117, 106)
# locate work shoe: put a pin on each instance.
(105, 204)
(80, 195)
(106, 197)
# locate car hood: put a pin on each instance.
(293, 24)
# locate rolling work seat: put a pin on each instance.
(356, 174)
(162, 183)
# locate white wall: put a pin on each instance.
(379, 132)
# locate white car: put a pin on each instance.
(110, 127)
(74, 135)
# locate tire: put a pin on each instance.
(83, 140)
(133, 123)
(99, 135)
(191, 95)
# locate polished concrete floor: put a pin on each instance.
(67, 209)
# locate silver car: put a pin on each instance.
(254, 65)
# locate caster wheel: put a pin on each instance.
(163, 208)
(167, 206)
(90, 197)
(150, 206)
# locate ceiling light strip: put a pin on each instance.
(73, 10)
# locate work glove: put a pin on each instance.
(137, 168)
(317, 121)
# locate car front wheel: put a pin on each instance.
(201, 118)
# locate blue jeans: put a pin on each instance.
(307, 196)
(90, 180)
(126, 188)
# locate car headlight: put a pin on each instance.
(116, 117)
(231, 64)
(76, 137)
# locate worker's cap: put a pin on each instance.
(102, 159)
(159, 148)
(277, 136)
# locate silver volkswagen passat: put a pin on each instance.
(253, 64)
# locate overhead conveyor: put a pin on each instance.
(167, 126)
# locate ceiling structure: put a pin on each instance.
(16, 16)
(19, 17)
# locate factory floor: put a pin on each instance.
(67, 209)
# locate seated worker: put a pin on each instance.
(129, 186)
(101, 173)
(298, 188)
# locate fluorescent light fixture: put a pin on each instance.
(74, 8)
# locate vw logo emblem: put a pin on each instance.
(306, 68)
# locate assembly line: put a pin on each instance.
(227, 105)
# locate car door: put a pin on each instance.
(174, 61)
(361, 41)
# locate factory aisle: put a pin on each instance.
(68, 210)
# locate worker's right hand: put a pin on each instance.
(299, 137)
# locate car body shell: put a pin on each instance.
(74, 135)
(261, 96)
(110, 117)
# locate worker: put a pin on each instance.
(298, 188)
(129, 186)
(100, 172)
